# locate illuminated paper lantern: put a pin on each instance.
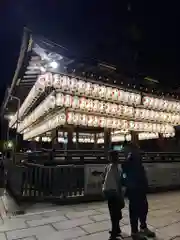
(137, 113)
(119, 124)
(90, 120)
(157, 116)
(120, 95)
(48, 79)
(125, 97)
(96, 121)
(114, 123)
(88, 88)
(102, 122)
(60, 99)
(125, 110)
(83, 120)
(114, 109)
(130, 111)
(131, 125)
(73, 84)
(68, 100)
(102, 106)
(109, 93)
(119, 110)
(81, 87)
(146, 101)
(95, 90)
(102, 92)
(40, 83)
(89, 105)
(57, 81)
(131, 98)
(115, 94)
(95, 106)
(137, 99)
(108, 108)
(75, 102)
(65, 83)
(76, 119)
(82, 103)
(70, 118)
(50, 103)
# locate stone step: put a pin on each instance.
(10, 207)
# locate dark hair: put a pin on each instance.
(114, 156)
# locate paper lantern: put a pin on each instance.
(65, 83)
(89, 105)
(102, 92)
(82, 103)
(137, 99)
(115, 123)
(102, 122)
(57, 81)
(73, 84)
(108, 108)
(90, 120)
(115, 94)
(109, 91)
(131, 125)
(60, 99)
(68, 101)
(88, 88)
(102, 106)
(83, 120)
(95, 90)
(70, 117)
(81, 87)
(131, 98)
(114, 109)
(96, 121)
(76, 119)
(48, 79)
(75, 102)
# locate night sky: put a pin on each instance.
(140, 37)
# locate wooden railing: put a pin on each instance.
(62, 176)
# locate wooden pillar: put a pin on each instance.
(161, 142)
(70, 131)
(95, 141)
(33, 144)
(134, 138)
(55, 139)
(40, 143)
(107, 140)
(77, 140)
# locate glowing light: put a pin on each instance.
(54, 64)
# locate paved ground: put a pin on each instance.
(89, 221)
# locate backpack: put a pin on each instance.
(112, 186)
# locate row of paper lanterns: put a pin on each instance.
(96, 106)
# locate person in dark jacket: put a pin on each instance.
(136, 183)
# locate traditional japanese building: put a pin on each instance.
(54, 99)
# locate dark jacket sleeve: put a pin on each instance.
(124, 175)
(103, 175)
(145, 179)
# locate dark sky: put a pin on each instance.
(139, 36)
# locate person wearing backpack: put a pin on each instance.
(112, 190)
(136, 184)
